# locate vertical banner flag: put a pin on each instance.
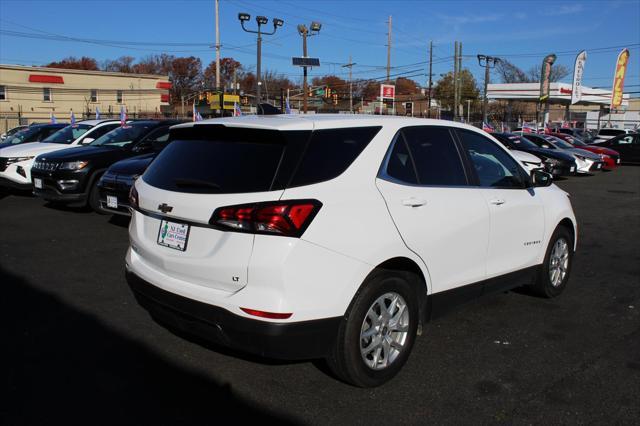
(545, 77)
(287, 106)
(73, 119)
(52, 118)
(195, 114)
(123, 116)
(237, 112)
(97, 113)
(618, 78)
(578, 70)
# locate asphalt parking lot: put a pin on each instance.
(76, 347)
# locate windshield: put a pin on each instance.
(26, 135)
(577, 142)
(123, 136)
(68, 134)
(539, 141)
(559, 142)
(519, 141)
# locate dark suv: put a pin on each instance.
(71, 175)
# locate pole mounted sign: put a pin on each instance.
(618, 78)
(578, 71)
(387, 91)
(545, 77)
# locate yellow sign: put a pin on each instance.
(213, 99)
(618, 78)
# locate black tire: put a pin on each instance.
(345, 359)
(543, 285)
(93, 200)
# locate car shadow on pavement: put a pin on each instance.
(67, 208)
(63, 366)
(119, 220)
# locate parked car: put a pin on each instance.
(20, 158)
(606, 133)
(115, 184)
(529, 161)
(610, 157)
(337, 237)
(585, 161)
(628, 145)
(555, 162)
(71, 175)
(11, 132)
(584, 134)
(33, 133)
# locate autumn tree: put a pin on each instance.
(186, 76)
(558, 72)
(122, 64)
(228, 67)
(510, 73)
(406, 86)
(443, 90)
(71, 62)
(154, 64)
(273, 82)
(332, 81)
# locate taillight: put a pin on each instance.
(263, 314)
(287, 218)
(133, 197)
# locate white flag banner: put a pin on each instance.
(578, 71)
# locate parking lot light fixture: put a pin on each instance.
(260, 20)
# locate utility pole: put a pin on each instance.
(305, 32)
(487, 62)
(468, 111)
(261, 20)
(217, 45)
(455, 80)
(350, 65)
(430, 81)
(459, 100)
(389, 51)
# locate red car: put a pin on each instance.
(611, 158)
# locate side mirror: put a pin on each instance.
(87, 141)
(541, 178)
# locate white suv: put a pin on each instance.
(337, 237)
(16, 161)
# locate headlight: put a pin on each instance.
(12, 160)
(73, 165)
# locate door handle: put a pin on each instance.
(497, 201)
(413, 202)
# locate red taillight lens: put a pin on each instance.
(288, 218)
(133, 197)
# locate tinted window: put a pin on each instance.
(400, 164)
(125, 135)
(68, 134)
(435, 156)
(330, 152)
(610, 132)
(216, 159)
(539, 141)
(493, 166)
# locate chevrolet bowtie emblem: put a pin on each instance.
(165, 208)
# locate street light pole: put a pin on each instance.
(487, 62)
(260, 20)
(304, 32)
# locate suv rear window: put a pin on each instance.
(217, 159)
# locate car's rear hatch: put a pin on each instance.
(204, 168)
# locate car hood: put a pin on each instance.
(31, 149)
(584, 153)
(602, 150)
(132, 166)
(83, 153)
(525, 156)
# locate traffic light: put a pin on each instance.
(310, 94)
(335, 98)
(327, 92)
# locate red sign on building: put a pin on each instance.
(387, 91)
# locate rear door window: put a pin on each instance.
(330, 152)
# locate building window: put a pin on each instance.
(119, 96)
(3, 93)
(46, 94)
(94, 95)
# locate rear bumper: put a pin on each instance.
(289, 341)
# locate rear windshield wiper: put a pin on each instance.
(196, 183)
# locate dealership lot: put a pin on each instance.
(78, 348)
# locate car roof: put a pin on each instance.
(96, 122)
(322, 121)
